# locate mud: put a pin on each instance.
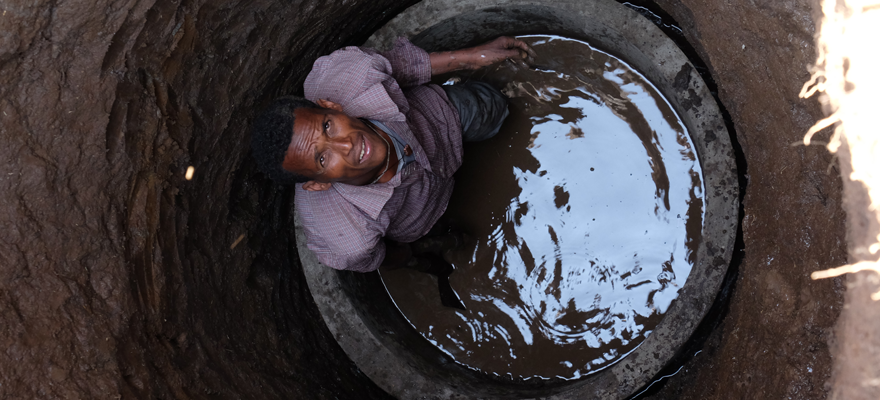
(586, 210)
(118, 277)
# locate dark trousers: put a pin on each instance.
(481, 108)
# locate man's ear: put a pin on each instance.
(329, 104)
(313, 186)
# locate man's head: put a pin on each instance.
(271, 135)
(296, 140)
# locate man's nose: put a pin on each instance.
(342, 144)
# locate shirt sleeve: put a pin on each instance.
(341, 236)
(365, 260)
(366, 83)
(410, 64)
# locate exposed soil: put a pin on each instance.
(119, 277)
(773, 342)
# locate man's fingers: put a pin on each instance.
(519, 44)
(531, 53)
(516, 54)
(523, 51)
(506, 47)
(519, 62)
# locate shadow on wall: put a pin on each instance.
(118, 274)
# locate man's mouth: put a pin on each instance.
(363, 149)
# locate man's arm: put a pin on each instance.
(483, 55)
(413, 66)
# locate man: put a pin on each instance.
(373, 149)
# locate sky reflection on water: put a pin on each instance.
(585, 209)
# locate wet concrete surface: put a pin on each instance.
(585, 211)
(117, 275)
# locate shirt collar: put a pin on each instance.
(399, 146)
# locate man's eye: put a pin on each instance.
(321, 160)
(326, 125)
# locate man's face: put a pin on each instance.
(329, 146)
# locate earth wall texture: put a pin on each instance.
(117, 274)
(119, 278)
(774, 340)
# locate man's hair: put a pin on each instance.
(272, 132)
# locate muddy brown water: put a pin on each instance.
(584, 212)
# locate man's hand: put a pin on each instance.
(500, 49)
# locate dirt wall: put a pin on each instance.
(117, 274)
(773, 342)
(118, 277)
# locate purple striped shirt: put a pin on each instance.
(345, 224)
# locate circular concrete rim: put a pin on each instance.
(611, 27)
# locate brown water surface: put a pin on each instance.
(585, 211)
